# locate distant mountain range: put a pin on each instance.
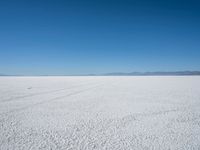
(3, 74)
(157, 73)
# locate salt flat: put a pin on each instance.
(112, 113)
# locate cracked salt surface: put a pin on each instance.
(112, 113)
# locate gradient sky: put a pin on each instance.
(57, 37)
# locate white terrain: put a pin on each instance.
(104, 113)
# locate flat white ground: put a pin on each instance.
(113, 113)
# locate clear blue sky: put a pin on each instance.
(58, 37)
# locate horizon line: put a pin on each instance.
(134, 73)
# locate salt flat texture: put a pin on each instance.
(112, 113)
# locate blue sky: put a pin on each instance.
(58, 37)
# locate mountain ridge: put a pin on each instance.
(151, 73)
(148, 73)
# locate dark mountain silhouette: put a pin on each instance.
(158, 73)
